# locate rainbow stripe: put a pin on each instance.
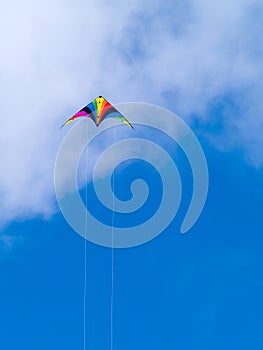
(98, 110)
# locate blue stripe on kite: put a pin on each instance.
(114, 115)
(91, 107)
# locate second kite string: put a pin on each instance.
(85, 244)
(112, 243)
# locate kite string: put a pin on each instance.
(85, 251)
(112, 246)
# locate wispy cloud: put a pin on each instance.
(7, 242)
(209, 57)
(56, 56)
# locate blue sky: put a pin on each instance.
(201, 290)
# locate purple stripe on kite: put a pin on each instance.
(80, 114)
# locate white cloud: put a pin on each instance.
(56, 56)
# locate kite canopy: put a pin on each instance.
(98, 110)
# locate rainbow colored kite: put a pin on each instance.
(98, 110)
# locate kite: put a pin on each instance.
(98, 110)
